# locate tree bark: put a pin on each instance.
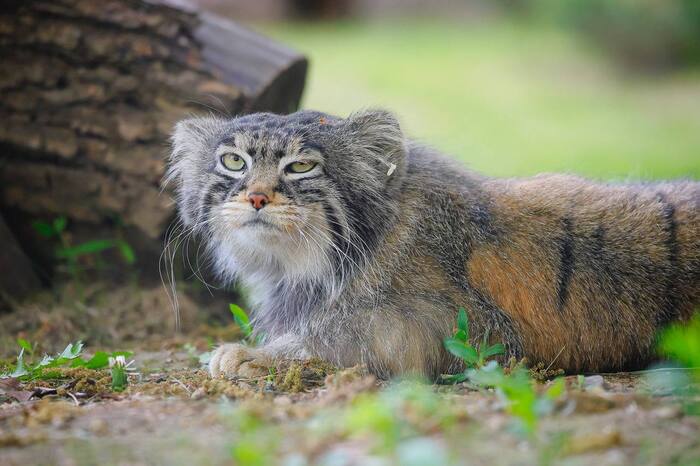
(91, 90)
(18, 277)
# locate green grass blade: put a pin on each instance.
(460, 335)
(20, 369)
(241, 318)
(120, 380)
(463, 322)
(44, 229)
(72, 351)
(59, 224)
(453, 378)
(87, 248)
(126, 252)
(493, 350)
(25, 345)
(556, 389)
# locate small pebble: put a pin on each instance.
(667, 412)
(593, 441)
(199, 394)
(615, 456)
(98, 426)
(283, 401)
(632, 408)
(594, 382)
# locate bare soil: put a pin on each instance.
(304, 412)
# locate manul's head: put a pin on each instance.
(291, 197)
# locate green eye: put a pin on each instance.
(233, 162)
(300, 167)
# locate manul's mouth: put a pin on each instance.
(259, 223)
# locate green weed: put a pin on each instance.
(681, 343)
(271, 375)
(405, 410)
(118, 367)
(70, 254)
(243, 321)
(70, 357)
(518, 390)
(473, 356)
(26, 346)
(257, 440)
(517, 387)
(241, 318)
(394, 423)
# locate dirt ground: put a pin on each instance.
(304, 412)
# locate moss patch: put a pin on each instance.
(541, 373)
(74, 380)
(295, 376)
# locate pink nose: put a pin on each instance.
(258, 200)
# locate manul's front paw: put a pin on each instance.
(234, 359)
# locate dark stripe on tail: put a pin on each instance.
(566, 264)
(670, 309)
(598, 238)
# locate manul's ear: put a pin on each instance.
(191, 135)
(377, 128)
(378, 132)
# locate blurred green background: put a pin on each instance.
(600, 88)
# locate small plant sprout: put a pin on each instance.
(118, 367)
(243, 321)
(24, 370)
(681, 343)
(241, 318)
(271, 374)
(26, 346)
(69, 254)
(518, 391)
(70, 357)
(473, 357)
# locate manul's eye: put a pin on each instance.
(233, 162)
(300, 167)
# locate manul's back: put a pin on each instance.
(591, 271)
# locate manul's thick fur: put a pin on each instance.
(359, 246)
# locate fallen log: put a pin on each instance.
(90, 92)
(18, 277)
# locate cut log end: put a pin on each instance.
(283, 94)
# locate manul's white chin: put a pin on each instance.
(265, 253)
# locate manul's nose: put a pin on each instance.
(258, 200)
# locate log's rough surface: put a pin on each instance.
(91, 89)
(18, 276)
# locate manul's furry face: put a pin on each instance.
(286, 197)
